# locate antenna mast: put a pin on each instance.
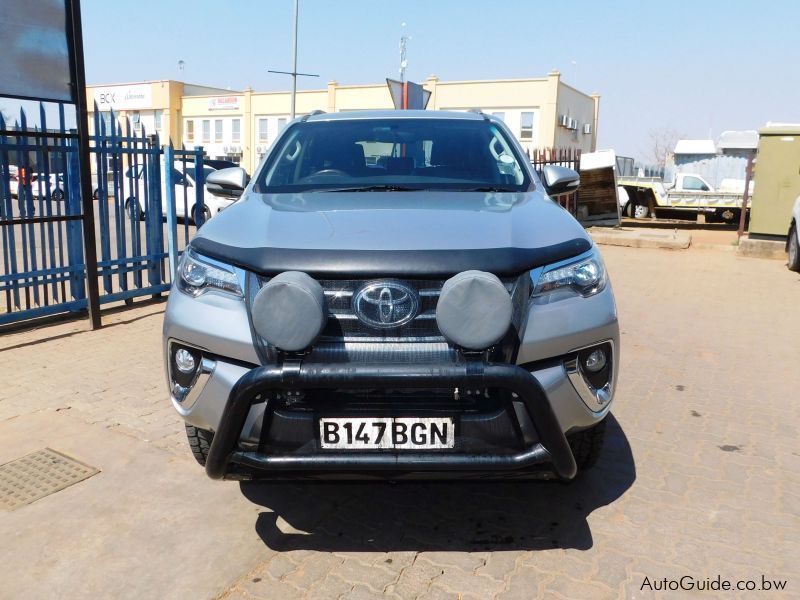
(403, 62)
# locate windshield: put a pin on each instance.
(392, 155)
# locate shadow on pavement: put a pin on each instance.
(460, 516)
(60, 319)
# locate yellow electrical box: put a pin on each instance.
(776, 180)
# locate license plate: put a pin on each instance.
(387, 433)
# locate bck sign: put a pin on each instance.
(124, 97)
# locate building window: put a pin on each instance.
(262, 130)
(526, 126)
(105, 123)
(500, 115)
(281, 124)
(189, 127)
(157, 119)
(218, 131)
(236, 135)
(206, 131)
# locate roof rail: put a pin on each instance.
(478, 111)
(311, 114)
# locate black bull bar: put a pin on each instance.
(252, 387)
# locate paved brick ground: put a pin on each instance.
(700, 476)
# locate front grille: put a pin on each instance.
(348, 339)
(337, 351)
(343, 325)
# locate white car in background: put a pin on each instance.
(39, 185)
(793, 241)
(183, 175)
(13, 180)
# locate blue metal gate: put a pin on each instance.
(138, 183)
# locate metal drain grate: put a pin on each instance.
(37, 475)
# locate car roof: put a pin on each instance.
(396, 114)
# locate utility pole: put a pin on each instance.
(293, 72)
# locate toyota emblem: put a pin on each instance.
(385, 304)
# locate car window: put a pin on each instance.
(694, 184)
(409, 153)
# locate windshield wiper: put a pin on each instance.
(371, 188)
(487, 188)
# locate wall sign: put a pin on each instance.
(124, 97)
(223, 103)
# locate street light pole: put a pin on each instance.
(294, 58)
(294, 72)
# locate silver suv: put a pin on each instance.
(395, 295)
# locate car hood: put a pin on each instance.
(264, 230)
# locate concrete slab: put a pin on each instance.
(641, 238)
(149, 525)
(774, 249)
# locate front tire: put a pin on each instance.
(794, 251)
(586, 445)
(199, 443)
(640, 212)
(201, 216)
(133, 210)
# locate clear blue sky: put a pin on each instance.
(698, 67)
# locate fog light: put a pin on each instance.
(185, 362)
(595, 361)
(591, 371)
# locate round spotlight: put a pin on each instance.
(184, 361)
(474, 310)
(289, 311)
(595, 361)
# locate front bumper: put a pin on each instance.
(226, 457)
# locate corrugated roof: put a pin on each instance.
(695, 147)
(747, 139)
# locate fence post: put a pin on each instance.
(172, 221)
(200, 187)
(72, 199)
(156, 208)
(75, 37)
(746, 196)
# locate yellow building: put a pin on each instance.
(149, 106)
(240, 126)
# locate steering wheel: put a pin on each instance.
(325, 173)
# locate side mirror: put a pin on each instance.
(560, 180)
(227, 182)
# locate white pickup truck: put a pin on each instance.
(641, 197)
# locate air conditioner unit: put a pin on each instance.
(261, 149)
(573, 124)
(587, 128)
(563, 120)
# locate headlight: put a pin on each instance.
(585, 278)
(197, 275)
